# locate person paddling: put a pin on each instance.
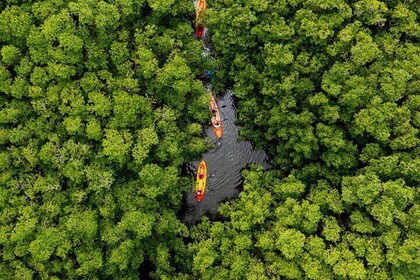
(215, 122)
(198, 195)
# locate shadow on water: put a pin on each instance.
(145, 268)
(224, 165)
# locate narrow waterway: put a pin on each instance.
(225, 161)
(224, 165)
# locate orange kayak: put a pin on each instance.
(200, 185)
(199, 18)
(216, 121)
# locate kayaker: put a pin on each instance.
(201, 176)
(215, 122)
(198, 195)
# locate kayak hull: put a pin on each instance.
(199, 18)
(216, 119)
(199, 31)
(218, 131)
(200, 185)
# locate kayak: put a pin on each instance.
(216, 121)
(200, 4)
(200, 185)
(199, 17)
(199, 31)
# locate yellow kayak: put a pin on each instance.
(200, 185)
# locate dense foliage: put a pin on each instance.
(331, 90)
(100, 107)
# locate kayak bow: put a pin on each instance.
(199, 31)
(200, 5)
(200, 185)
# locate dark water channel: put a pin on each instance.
(224, 165)
(224, 162)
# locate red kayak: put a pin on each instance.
(199, 31)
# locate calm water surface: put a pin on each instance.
(224, 162)
(224, 165)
